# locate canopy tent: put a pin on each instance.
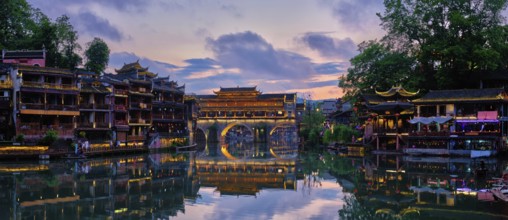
(428, 120)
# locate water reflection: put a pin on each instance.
(248, 180)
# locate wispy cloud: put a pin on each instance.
(97, 26)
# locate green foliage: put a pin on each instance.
(82, 134)
(20, 138)
(311, 127)
(23, 27)
(441, 41)
(97, 56)
(378, 67)
(343, 133)
(48, 139)
(327, 137)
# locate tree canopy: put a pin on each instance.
(97, 56)
(439, 41)
(23, 27)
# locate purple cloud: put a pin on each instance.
(253, 55)
(329, 47)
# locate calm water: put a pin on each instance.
(247, 181)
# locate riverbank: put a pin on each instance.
(47, 153)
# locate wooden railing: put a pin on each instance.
(121, 92)
(6, 84)
(41, 106)
(49, 85)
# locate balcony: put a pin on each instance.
(121, 92)
(49, 85)
(5, 102)
(139, 121)
(6, 84)
(102, 106)
(36, 130)
(85, 124)
(86, 106)
(121, 122)
(120, 108)
(101, 125)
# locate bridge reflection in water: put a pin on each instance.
(143, 186)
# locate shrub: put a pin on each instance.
(50, 137)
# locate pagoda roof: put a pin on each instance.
(23, 54)
(238, 89)
(463, 95)
(95, 89)
(50, 70)
(371, 99)
(397, 91)
(131, 66)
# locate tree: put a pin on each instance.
(67, 44)
(439, 41)
(15, 17)
(378, 67)
(97, 56)
(451, 40)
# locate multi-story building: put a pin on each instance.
(95, 109)
(168, 111)
(135, 83)
(7, 131)
(47, 99)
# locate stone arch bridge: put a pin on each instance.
(260, 130)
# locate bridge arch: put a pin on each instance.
(231, 125)
(201, 135)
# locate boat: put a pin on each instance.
(500, 193)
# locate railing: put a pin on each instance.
(139, 121)
(85, 125)
(86, 106)
(37, 130)
(101, 124)
(102, 106)
(6, 84)
(120, 108)
(121, 92)
(135, 138)
(121, 122)
(162, 116)
(49, 85)
(40, 106)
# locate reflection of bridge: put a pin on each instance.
(246, 177)
(261, 116)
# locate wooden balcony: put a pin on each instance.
(120, 108)
(121, 122)
(121, 92)
(6, 84)
(56, 86)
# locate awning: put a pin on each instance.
(428, 120)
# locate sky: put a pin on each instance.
(281, 46)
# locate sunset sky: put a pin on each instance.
(279, 46)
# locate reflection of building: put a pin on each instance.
(433, 186)
(134, 187)
(246, 177)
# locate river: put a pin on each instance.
(250, 181)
